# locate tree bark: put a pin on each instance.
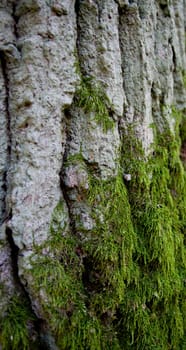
(92, 174)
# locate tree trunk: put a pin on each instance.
(92, 174)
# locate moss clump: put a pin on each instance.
(109, 252)
(183, 130)
(82, 283)
(112, 243)
(57, 278)
(154, 308)
(92, 99)
(58, 285)
(122, 286)
(14, 333)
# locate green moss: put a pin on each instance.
(76, 158)
(56, 272)
(14, 333)
(91, 98)
(154, 308)
(57, 276)
(83, 282)
(122, 286)
(112, 243)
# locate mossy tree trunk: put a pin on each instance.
(92, 174)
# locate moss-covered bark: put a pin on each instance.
(123, 285)
(92, 175)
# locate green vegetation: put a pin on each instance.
(14, 333)
(92, 99)
(121, 285)
(183, 130)
(112, 242)
(154, 308)
(57, 273)
(83, 283)
(90, 96)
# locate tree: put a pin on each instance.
(92, 174)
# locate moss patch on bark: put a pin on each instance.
(122, 286)
(153, 310)
(92, 99)
(15, 325)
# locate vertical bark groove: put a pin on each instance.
(6, 212)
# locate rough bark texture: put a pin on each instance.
(92, 174)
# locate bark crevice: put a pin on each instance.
(21, 291)
(6, 212)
